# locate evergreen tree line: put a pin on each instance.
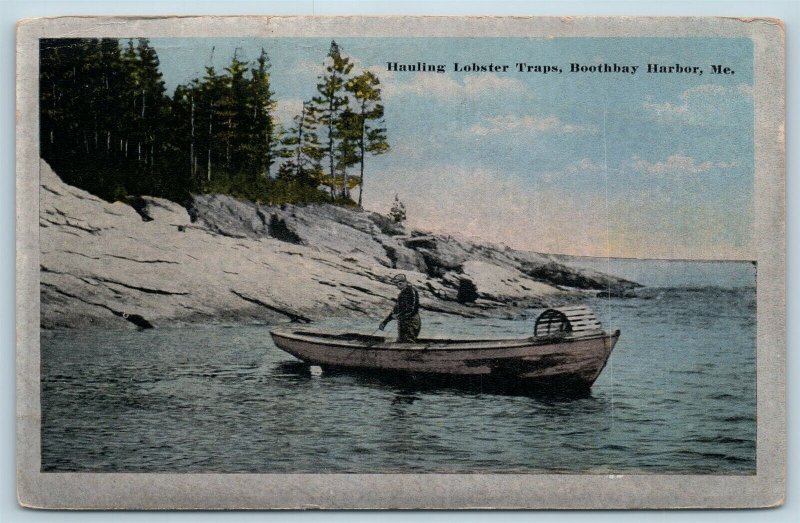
(108, 125)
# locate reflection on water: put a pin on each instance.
(678, 395)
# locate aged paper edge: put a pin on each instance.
(390, 491)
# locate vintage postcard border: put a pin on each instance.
(340, 491)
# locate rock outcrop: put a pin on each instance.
(154, 263)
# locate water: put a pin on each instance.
(667, 273)
(678, 396)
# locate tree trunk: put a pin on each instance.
(361, 146)
(191, 143)
(345, 187)
(299, 145)
(267, 145)
(228, 146)
(330, 149)
(210, 120)
(299, 169)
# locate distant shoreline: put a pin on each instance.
(574, 256)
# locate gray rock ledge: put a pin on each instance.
(224, 260)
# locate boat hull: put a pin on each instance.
(565, 361)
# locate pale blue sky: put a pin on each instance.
(645, 165)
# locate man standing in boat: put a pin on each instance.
(406, 311)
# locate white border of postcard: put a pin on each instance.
(386, 491)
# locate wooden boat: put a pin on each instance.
(568, 348)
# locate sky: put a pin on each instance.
(595, 164)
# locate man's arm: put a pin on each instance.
(392, 315)
(386, 321)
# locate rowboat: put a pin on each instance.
(568, 351)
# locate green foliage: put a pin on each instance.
(103, 112)
(266, 137)
(367, 125)
(302, 150)
(108, 126)
(263, 190)
(398, 211)
(329, 104)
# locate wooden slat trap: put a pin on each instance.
(563, 320)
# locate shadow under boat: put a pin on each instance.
(410, 383)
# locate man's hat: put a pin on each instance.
(399, 278)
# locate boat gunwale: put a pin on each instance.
(499, 344)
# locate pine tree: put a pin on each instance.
(88, 65)
(112, 82)
(210, 93)
(398, 211)
(330, 103)
(266, 135)
(130, 95)
(76, 91)
(348, 132)
(371, 138)
(229, 110)
(302, 149)
(153, 100)
(108, 126)
(185, 131)
(57, 90)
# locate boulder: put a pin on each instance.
(503, 284)
(165, 211)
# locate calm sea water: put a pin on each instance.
(678, 396)
(666, 273)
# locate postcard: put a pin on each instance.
(400, 262)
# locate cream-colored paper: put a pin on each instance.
(515, 104)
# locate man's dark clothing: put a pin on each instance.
(407, 313)
(408, 330)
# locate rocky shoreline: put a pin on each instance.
(155, 263)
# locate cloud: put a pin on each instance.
(487, 205)
(677, 165)
(478, 85)
(705, 104)
(445, 88)
(419, 145)
(583, 166)
(309, 67)
(494, 125)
